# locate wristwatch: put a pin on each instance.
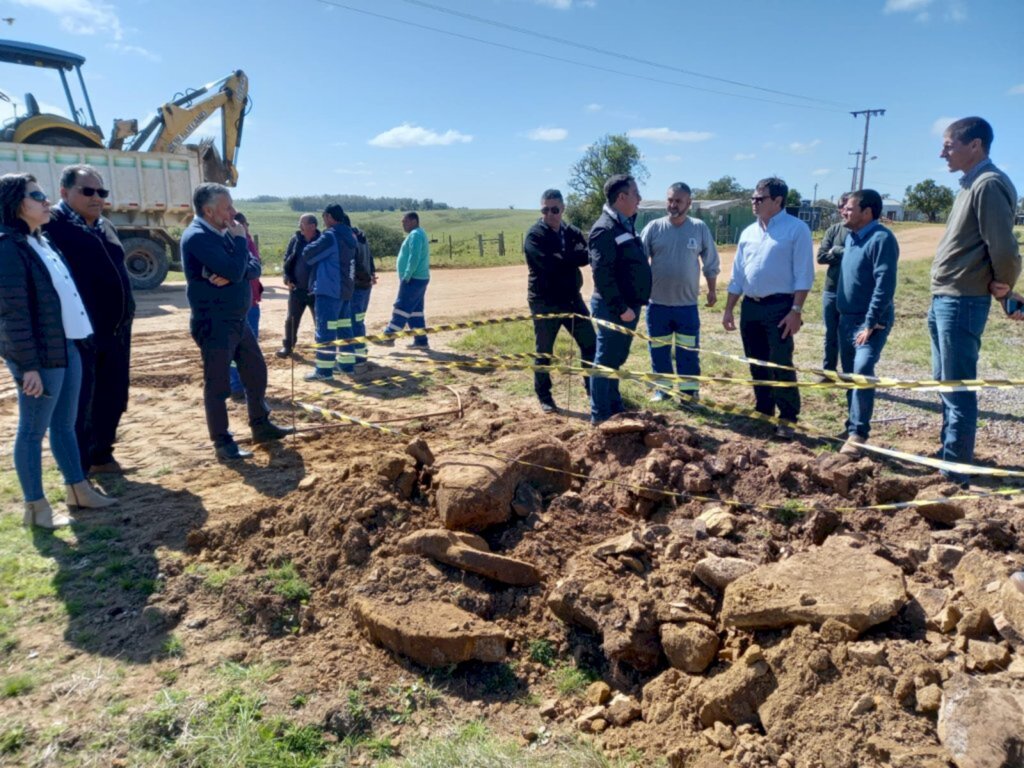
(797, 308)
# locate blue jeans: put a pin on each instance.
(830, 314)
(681, 324)
(956, 324)
(408, 309)
(253, 319)
(56, 410)
(360, 302)
(612, 351)
(326, 312)
(860, 359)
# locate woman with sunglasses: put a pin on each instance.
(41, 317)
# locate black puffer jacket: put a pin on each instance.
(31, 328)
(97, 267)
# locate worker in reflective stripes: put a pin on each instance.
(331, 258)
(413, 267)
(678, 245)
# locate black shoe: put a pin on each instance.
(283, 352)
(265, 431)
(231, 452)
(238, 397)
(548, 406)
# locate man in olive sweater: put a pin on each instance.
(977, 259)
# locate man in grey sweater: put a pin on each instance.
(977, 259)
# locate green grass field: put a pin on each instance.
(275, 223)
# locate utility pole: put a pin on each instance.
(814, 197)
(855, 168)
(867, 124)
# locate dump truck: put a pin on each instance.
(150, 172)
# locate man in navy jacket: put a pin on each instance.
(218, 268)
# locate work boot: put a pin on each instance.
(81, 495)
(265, 430)
(388, 339)
(659, 396)
(850, 447)
(283, 352)
(110, 467)
(39, 514)
(316, 375)
(231, 452)
(548, 406)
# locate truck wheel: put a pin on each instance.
(146, 261)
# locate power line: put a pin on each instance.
(618, 54)
(573, 62)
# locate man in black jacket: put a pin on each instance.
(622, 284)
(555, 251)
(296, 277)
(96, 260)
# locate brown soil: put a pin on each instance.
(335, 503)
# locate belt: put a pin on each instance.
(771, 298)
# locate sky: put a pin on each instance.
(486, 103)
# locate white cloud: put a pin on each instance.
(81, 17)
(1017, 90)
(594, 107)
(740, 156)
(353, 171)
(547, 134)
(672, 158)
(408, 135)
(136, 50)
(901, 6)
(952, 10)
(821, 172)
(667, 136)
(941, 124)
(802, 148)
(565, 5)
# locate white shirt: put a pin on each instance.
(777, 258)
(72, 310)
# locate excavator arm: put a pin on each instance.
(179, 119)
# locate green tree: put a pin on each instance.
(929, 198)
(725, 188)
(793, 198)
(609, 155)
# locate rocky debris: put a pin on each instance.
(946, 556)
(470, 553)
(735, 695)
(527, 501)
(987, 657)
(982, 726)
(870, 654)
(390, 466)
(598, 692)
(548, 709)
(942, 512)
(821, 524)
(433, 634)
(929, 699)
(835, 631)
(835, 581)
(355, 545)
(720, 572)
(621, 425)
(1012, 606)
(690, 647)
(979, 576)
(587, 721)
(419, 450)
(475, 491)
(718, 522)
(622, 710)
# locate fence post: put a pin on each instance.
(451, 255)
(501, 243)
(480, 244)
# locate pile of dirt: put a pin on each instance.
(737, 606)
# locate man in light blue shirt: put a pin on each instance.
(773, 271)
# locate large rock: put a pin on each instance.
(981, 726)
(720, 572)
(452, 548)
(735, 695)
(835, 581)
(690, 647)
(433, 634)
(475, 491)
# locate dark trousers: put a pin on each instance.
(299, 299)
(545, 331)
(408, 309)
(104, 394)
(830, 314)
(360, 303)
(222, 341)
(762, 340)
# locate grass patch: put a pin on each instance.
(288, 584)
(542, 651)
(12, 740)
(16, 685)
(571, 680)
(173, 647)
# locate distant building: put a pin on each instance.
(892, 209)
(726, 218)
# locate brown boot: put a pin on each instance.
(81, 495)
(39, 513)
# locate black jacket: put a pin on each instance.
(622, 273)
(554, 263)
(204, 252)
(296, 271)
(834, 239)
(365, 268)
(97, 266)
(31, 327)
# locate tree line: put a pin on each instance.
(357, 203)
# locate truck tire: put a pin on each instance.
(146, 261)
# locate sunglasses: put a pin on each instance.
(90, 191)
(760, 198)
(37, 195)
(553, 210)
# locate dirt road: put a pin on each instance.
(454, 293)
